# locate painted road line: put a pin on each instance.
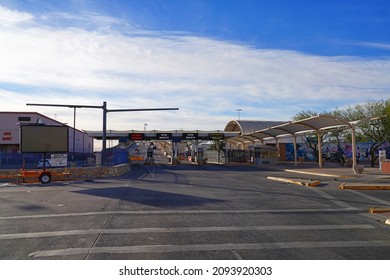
(381, 201)
(308, 183)
(147, 249)
(179, 230)
(331, 198)
(348, 186)
(317, 174)
(187, 212)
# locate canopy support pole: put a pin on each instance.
(353, 149)
(295, 151)
(319, 134)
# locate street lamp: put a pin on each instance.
(238, 111)
(145, 125)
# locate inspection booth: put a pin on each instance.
(265, 155)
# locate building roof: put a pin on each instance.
(21, 113)
(287, 129)
(248, 126)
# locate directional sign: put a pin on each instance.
(136, 136)
(190, 136)
(216, 136)
(163, 136)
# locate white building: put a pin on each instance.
(10, 123)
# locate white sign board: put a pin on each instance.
(382, 155)
(59, 160)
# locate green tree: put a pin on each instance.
(368, 129)
(219, 146)
(311, 139)
(376, 131)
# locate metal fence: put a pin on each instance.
(31, 160)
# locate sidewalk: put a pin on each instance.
(334, 169)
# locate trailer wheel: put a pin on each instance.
(45, 178)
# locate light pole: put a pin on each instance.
(238, 111)
(145, 125)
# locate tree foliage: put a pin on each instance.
(376, 131)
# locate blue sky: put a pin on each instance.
(270, 58)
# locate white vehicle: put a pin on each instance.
(47, 163)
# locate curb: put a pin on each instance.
(344, 186)
(379, 210)
(318, 174)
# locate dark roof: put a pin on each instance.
(246, 126)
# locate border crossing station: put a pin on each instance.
(176, 146)
(257, 142)
(241, 141)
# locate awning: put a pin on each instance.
(317, 124)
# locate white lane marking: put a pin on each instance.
(384, 202)
(178, 230)
(331, 198)
(207, 247)
(184, 212)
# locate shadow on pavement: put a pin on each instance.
(149, 197)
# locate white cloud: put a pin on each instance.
(11, 17)
(207, 79)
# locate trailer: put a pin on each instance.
(43, 176)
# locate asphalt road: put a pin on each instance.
(191, 212)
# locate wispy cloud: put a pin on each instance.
(11, 17)
(132, 68)
(374, 45)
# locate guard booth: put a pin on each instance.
(199, 155)
(265, 155)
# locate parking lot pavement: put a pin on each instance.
(192, 212)
(372, 178)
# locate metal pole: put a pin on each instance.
(319, 134)
(104, 158)
(295, 150)
(74, 132)
(354, 167)
(238, 111)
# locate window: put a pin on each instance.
(24, 119)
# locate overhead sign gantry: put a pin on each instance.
(170, 135)
(105, 111)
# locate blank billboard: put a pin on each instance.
(44, 139)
